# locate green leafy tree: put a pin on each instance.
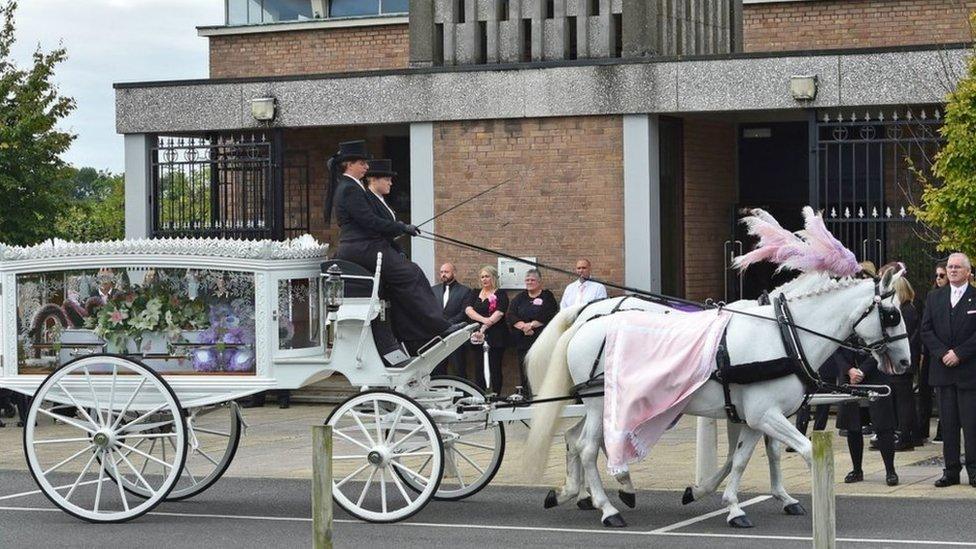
(949, 206)
(33, 185)
(96, 210)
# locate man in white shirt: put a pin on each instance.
(582, 290)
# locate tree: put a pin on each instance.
(949, 207)
(96, 210)
(33, 182)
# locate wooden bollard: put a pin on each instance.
(322, 487)
(824, 513)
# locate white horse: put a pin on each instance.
(574, 485)
(836, 308)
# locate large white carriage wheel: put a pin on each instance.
(86, 429)
(376, 435)
(214, 433)
(473, 450)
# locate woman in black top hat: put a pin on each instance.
(367, 227)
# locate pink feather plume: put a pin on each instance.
(813, 249)
(832, 256)
(776, 244)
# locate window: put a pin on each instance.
(352, 8)
(257, 12)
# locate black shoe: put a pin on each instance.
(453, 328)
(891, 479)
(948, 479)
(904, 446)
(937, 438)
(854, 476)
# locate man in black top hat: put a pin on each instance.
(367, 226)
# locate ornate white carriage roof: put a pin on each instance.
(303, 247)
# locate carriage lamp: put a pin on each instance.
(334, 288)
(263, 109)
(803, 87)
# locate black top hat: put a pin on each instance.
(352, 150)
(381, 168)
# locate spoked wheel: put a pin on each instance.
(214, 435)
(377, 437)
(86, 430)
(473, 450)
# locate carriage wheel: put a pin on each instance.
(377, 436)
(87, 428)
(216, 431)
(473, 450)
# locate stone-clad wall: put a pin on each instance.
(827, 24)
(309, 51)
(566, 199)
(710, 194)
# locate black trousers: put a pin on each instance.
(526, 389)
(821, 414)
(495, 356)
(925, 393)
(901, 390)
(417, 316)
(458, 363)
(957, 411)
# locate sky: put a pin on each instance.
(111, 41)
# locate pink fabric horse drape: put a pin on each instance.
(654, 362)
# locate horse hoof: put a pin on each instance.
(740, 522)
(551, 500)
(794, 509)
(585, 504)
(615, 521)
(629, 499)
(688, 496)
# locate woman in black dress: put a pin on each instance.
(488, 307)
(880, 413)
(528, 314)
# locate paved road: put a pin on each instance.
(274, 513)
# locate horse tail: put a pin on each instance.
(540, 354)
(555, 383)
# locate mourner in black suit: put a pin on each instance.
(949, 335)
(451, 294)
(367, 226)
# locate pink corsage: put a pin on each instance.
(537, 301)
(492, 303)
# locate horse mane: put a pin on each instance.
(813, 284)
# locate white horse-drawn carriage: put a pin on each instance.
(134, 351)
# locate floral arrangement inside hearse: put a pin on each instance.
(177, 320)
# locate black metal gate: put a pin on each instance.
(868, 170)
(217, 185)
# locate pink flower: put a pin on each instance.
(537, 301)
(492, 303)
(117, 316)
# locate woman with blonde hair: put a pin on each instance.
(487, 307)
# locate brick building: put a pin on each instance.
(632, 130)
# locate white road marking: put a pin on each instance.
(33, 492)
(706, 516)
(537, 528)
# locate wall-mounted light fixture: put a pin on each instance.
(803, 87)
(263, 109)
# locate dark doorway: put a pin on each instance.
(774, 174)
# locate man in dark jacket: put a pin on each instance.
(451, 294)
(365, 230)
(949, 334)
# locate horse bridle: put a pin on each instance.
(889, 317)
